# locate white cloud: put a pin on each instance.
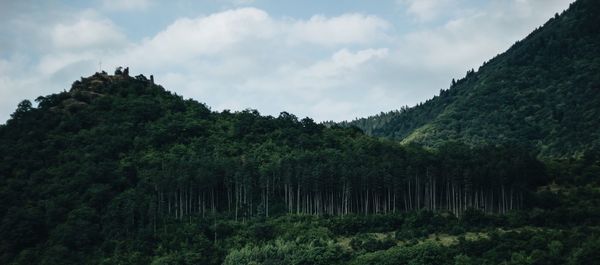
(187, 38)
(125, 5)
(426, 10)
(245, 29)
(87, 32)
(241, 2)
(344, 29)
(52, 63)
(306, 81)
(342, 62)
(465, 42)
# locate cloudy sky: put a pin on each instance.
(329, 60)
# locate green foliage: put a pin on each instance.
(368, 243)
(289, 253)
(542, 92)
(420, 254)
(588, 253)
(119, 158)
(120, 171)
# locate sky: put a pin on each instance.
(328, 60)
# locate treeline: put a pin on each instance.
(352, 176)
(121, 154)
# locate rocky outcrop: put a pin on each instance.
(87, 89)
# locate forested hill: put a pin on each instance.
(118, 157)
(543, 92)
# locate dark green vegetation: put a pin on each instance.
(119, 171)
(118, 158)
(544, 92)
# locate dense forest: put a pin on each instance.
(543, 91)
(118, 170)
(125, 151)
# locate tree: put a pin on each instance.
(23, 107)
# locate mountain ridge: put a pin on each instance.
(542, 92)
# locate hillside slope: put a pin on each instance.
(543, 92)
(117, 160)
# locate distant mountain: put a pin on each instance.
(544, 92)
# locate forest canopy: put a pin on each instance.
(119, 155)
